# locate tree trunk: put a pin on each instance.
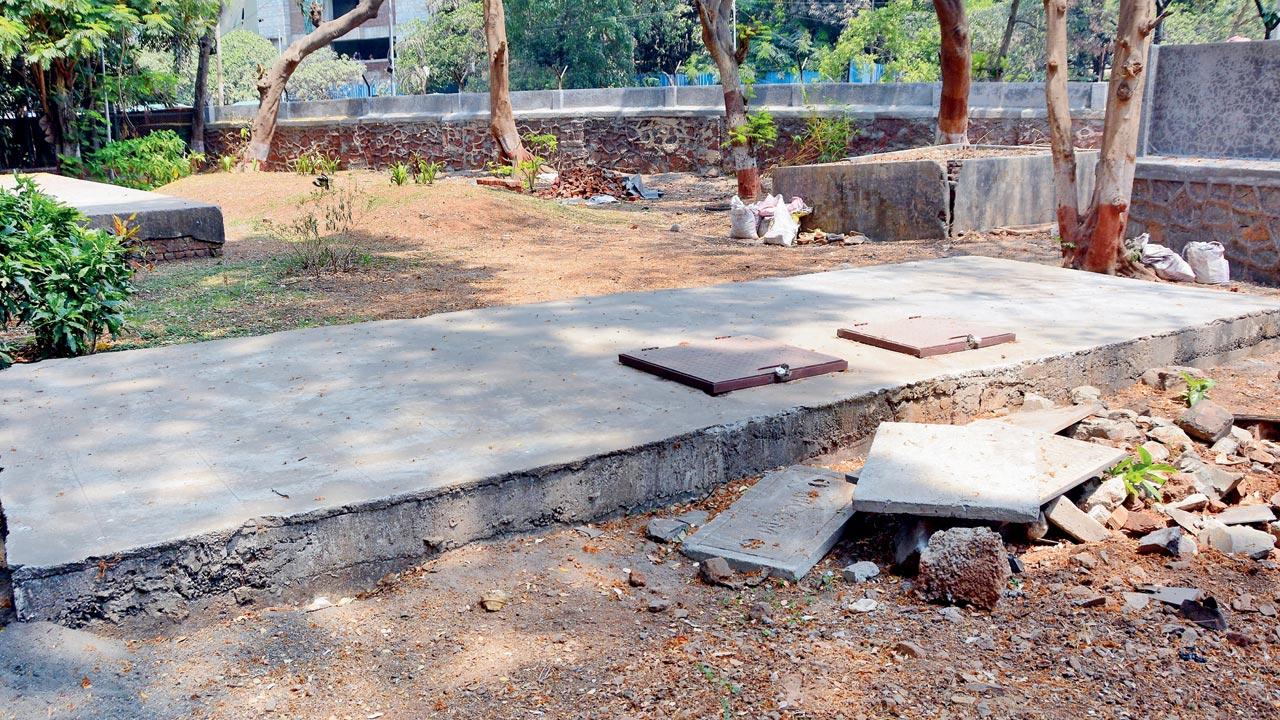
(1103, 233)
(1061, 137)
(502, 121)
(716, 17)
(200, 101)
(956, 58)
(271, 85)
(996, 68)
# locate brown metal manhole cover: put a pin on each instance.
(926, 336)
(732, 363)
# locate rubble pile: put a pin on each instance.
(962, 497)
(583, 181)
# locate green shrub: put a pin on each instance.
(144, 162)
(66, 282)
(399, 173)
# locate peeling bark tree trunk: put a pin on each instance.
(716, 17)
(201, 99)
(1100, 236)
(271, 85)
(957, 61)
(502, 121)
(1061, 137)
(996, 68)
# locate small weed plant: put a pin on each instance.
(321, 240)
(1197, 389)
(426, 171)
(314, 162)
(1142, 476)
(399, 174)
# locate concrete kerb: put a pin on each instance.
(336, 550)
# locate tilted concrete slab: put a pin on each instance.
(159, 216)
(978, 471)
(311, 461)
(783, 525)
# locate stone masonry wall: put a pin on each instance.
(646, 143)
(1244, 217)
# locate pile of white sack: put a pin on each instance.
(1204, 262)
(773, 220)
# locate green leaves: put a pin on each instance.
(1197, 389)
(66, 282)
(143, 163)
(1142, 475)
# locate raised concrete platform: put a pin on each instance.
(274, 467)
(172, 228)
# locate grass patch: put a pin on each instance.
(211, 300)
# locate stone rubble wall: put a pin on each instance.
(1178, 203)
(646, 129)
(645, 144)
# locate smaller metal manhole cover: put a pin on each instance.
(732, 363)
(926, 336)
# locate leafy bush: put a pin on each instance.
(441, 54)
(65, 281)
(143, 162)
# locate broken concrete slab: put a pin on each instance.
(974, 471)
(1237, 539)
(1209, 480)
(1185, 520)
(784, 524)
(1174, 596)
(1050, 420)
(1169, 541)
(1246, 515)
(1207, 421)
(1068, 518)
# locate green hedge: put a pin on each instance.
(66, 282)
(143, 162)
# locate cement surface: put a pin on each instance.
(159, 216)
(146, 450)
(978, 471)
(784, 524)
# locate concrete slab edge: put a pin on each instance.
(275, 559)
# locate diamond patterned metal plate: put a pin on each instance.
(732, 363)
(926, 336)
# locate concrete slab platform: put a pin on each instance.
(159, 217)
(976, 472)
(312, 461)
(783, 525)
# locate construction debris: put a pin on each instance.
(783, 525)
(931, 470)
(1064, 515)
(964, 565)
(585, 181)
(1207, 421)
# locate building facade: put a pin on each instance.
(283, 21)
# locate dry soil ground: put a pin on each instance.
(578, 640)
(454, 246)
